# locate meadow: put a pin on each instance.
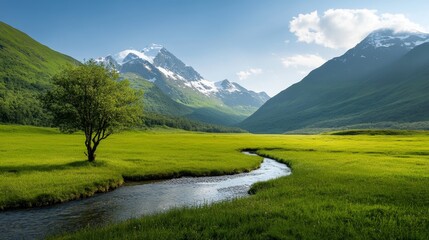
(40, 166)
(356, 185)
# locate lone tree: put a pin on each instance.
(90, 98)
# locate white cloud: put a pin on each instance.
(344, 28)
(242, 75)
(307, 61)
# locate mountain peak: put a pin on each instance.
(148, 53)
(121, 57)
(386, 37)
(226, 85)
(167, 60)
(152, 50)
(382, 46)
(381, 80)
(391, 31)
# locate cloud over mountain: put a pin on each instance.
(344, 28)
(303, 61)
(242, 75)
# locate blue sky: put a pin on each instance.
(255, 43)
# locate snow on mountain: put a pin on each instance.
(121, 56)
(141, 67)
(232, 94)
(204, 86)
(108, 61)
(227, 86)
(380, 80)
(152, 51)
(381, 46)
(148, 54)
(167, 60)
(155, 62)
(170, 74)
(388, 38)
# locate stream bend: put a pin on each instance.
(133, 201)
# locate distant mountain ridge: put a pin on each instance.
(233, 94)
(170, 87)
(220, 103)
(384, 78)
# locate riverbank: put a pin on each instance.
(40, 166)
(348, 187)
(343, 186)
(133, 201)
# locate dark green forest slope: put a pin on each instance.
(26, 67)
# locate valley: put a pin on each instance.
(171, 88)
(192, 96)
(350, 182)
(214, 120)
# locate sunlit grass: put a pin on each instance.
(341, 187)
(41, 166)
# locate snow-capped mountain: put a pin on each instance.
(382, 79)
(165, 59)
(383, 45)
(388, 38)
(233, 94)
(140, 67)
(152, 51)
(156, 64)
(183, 83)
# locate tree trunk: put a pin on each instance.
(91, 143)
(91, 155)
(90, 151)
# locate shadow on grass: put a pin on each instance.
(48, 168)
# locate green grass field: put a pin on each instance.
(369, 186)
(40, 166)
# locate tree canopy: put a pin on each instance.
(90, 98)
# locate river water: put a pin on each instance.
(131, 201)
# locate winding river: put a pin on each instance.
(133, 200)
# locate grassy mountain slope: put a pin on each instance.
(199, 108)
(205, 108)
(399, 92)
(186, 87)
(25, 69)
(155, 101)
(396, 92)
(27, 66)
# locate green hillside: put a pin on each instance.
(25, 69)
(160, 108)
(27, 66)
(155, 101)
(343, 95)
(396, 93)
(209, 108)
(204, 108)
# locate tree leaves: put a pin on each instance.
(90, 98)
